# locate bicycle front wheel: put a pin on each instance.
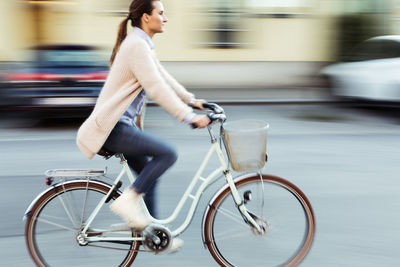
(54, 223)
(278, 206)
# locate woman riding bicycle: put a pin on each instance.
(136, 72)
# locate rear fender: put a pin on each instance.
(28, 210)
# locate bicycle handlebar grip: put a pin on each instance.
(214, 107)
(211, 106)
(212, 117)
(217, 117)
(218, 114)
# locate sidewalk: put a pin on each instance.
(261, 95)
(251, 82)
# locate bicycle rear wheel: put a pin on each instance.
(55, 220)
(280, 208)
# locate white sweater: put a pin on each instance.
(135, 66)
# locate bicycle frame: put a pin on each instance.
(75, 208)
(205, 181)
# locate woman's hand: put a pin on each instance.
(200, 121)
(197, 103)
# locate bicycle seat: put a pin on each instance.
(104, 152)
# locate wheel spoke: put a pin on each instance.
(84, 203)
(231, 233)
(67, 208)
(232, 215)
(232, 242)
(55, 224)
(53, 241)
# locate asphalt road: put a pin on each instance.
(344, 159)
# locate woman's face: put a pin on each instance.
(157, 19)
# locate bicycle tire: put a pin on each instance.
(38, 225)
(249, 251)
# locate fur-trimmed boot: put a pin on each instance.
(129, 208)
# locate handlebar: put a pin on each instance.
(211, 106)
(214, 107)
(216, 117)
(217, 114)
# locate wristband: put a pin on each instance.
(189, 117)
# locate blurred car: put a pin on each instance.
(59, 80)
(370, 72)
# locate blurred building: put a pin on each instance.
(223, 42)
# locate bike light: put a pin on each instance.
(32, 76)
(48, 181)
(97, 75)
(55, 77)
(90, 76)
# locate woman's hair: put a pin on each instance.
(136, 10)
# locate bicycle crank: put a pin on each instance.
(157, 238)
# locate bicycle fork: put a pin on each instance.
(240, 202)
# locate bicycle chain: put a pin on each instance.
(121, 249)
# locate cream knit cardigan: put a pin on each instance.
(135, 66)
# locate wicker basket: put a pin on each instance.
(246, 144)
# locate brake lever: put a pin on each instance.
(211, 106)
(214, 107)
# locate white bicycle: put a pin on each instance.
(253, 220)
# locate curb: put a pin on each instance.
(262, 95)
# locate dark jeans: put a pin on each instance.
(146, 154)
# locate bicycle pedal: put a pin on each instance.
(114, 191)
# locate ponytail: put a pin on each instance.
(136, 10)
(122, 31)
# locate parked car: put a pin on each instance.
(60, 80)
(370, 72)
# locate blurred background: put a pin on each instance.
(55, 53)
